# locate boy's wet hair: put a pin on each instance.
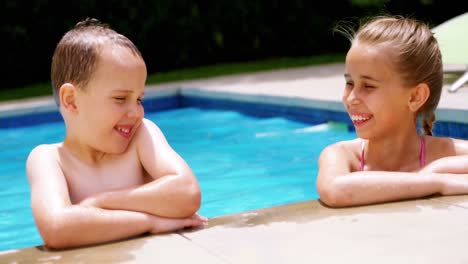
(76, 56)
(415, 55)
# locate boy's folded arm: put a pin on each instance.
(339, 187)
(78, 225)
(174, 190)
(167, 196)
(62, 224)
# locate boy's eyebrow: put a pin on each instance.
(125, 91)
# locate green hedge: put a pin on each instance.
(174, 34)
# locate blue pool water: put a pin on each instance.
(241, 162)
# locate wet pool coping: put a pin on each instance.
(429, 230)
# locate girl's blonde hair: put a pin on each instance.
(415, 55)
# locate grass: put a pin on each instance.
(242, 67)
(43, 89)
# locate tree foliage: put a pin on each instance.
(175, 34)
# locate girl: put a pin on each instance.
(393, 79)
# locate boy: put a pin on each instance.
(114, 176)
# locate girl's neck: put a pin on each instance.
(398, 152)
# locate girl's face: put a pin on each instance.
(110, 106)
(374, 95)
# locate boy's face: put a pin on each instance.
(110, 108)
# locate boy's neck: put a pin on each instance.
(84, 153)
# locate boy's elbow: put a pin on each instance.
(193, 202)
(54, 236)
(54, 242)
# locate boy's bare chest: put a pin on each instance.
(84, 180)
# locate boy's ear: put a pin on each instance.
(68, 96)
(419, 95)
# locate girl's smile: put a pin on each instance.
(359, 119)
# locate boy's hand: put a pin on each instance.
(159, 224)
(163, 224)
(90, 201)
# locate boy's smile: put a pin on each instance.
(124, 130)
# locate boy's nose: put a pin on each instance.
(135, 111)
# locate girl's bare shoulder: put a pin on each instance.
(446, 146)
(345, 153)
(461, 146)
(353, 145)
(349, 149)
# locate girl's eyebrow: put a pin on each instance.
(369, 78)
(348, 76)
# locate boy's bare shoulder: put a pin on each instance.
(149, 124)
(46, 148)
(42, 156)
(147, 129)
(45, 151)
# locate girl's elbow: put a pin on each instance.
(332, 197)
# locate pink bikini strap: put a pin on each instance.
(363, 144)
(422, 155)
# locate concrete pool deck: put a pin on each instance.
(429, 230)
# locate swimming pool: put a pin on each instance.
(242, 162)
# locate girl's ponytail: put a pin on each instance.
(428, 122)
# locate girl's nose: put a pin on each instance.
(351, 97)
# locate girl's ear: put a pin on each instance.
(68, 97)
(419, 95)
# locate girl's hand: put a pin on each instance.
(454, 184)
(452, 164)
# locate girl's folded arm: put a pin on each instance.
(338, 186)
(452, 165)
